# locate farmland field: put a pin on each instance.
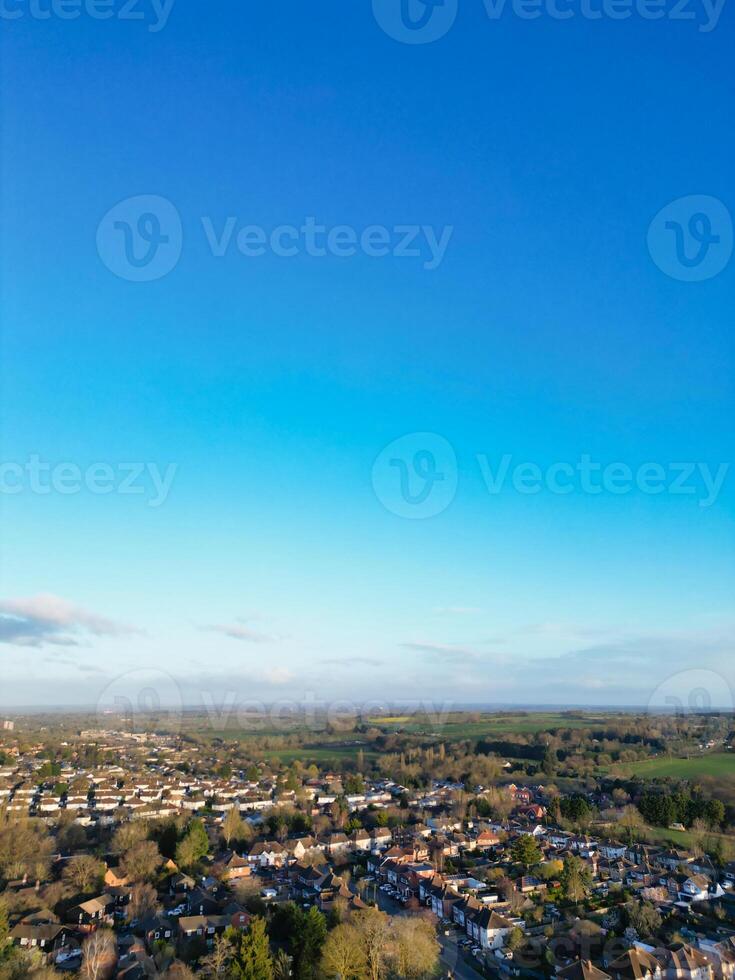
(488, 725)
(717, 764)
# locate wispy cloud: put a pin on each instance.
(444, 651)
(239, 630)
(49, 620)
(622, 668)
(351, 661)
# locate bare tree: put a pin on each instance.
(217, 963)
(344, 953)
(233, 827)
(128, 834)
(84, 872)
(282, 965)
(141, 861)
(373, 927)
(143, 901)
(179, 971)
(415, 951)
(99, 955)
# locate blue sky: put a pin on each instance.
(277, 566)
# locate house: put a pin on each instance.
(581, 970)
(136, 964)
(180, 882)
(235, 867)
(672, 859)
(239, 918)
(534, 812)
(635, 964)
(699, 888)
(114, 878)
(380, 837)
(487, 839)
(464, 909)
(360, 840)
(529, 884)
(683, 961)
(336, 844)
(721, 956)
(441, 897)
(94, 910)
(48, 936)
(268, 854)
(157, 928)
(299, 846)
(521, 794)
(203, 926)
(488, 928)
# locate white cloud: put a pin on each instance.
(50, 620)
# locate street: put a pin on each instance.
(452, 959)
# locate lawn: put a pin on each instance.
(721, 765)
(680, 838)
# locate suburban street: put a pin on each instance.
(453, 961)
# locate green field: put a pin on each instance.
(717, 764)
(319, 754)
(453, 728)
(681, 838)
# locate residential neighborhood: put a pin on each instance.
(169, 867)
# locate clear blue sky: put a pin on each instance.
(273, 568)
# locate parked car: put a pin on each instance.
(67, 955)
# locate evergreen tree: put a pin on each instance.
(194, 846)
(550, 761)
(4, 929)
(576, 879)
(310, 937)
(526, 851)
(253, 960)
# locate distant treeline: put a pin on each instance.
(517, 750)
